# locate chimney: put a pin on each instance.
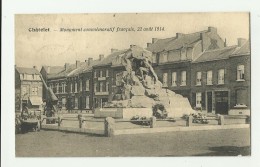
(148, 44)
(66, 66)
(212, 29)
(154, 40)
(48, 69)
(35, 67)
(101, 57)
(225, 43)
(113, 50)
(77, 63)
(178, 35)
(241, 41)
(90, 61)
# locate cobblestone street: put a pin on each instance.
(231, 142)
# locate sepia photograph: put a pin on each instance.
(132, 84)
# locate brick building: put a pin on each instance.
(80, 86)
(28, 88)
(57, 81)
(214, 77)
(172, 57)
(221, 80)
(104, 78)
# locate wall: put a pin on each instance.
(240, 85)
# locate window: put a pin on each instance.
(209, 77)
(76, 87)
(107, 73)
(87, 102)
(221, 76)
(61, 87)
(183, 78)
(24, 76)
(71, 89)
(101, 73)
(95, 87)
(87, 85)
(240, 73)
(64, 87)
(198, 78)
(95, 74)
(118, 79)
(174, 79)
(165, 79)
(101, 86)
(107, 86)
(241, 97)
(29, 77)
(34, 91)
(57, 88)
(198, 99)
(76, 102)
(80, 85)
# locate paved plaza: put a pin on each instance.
(231, 142)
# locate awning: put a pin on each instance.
(35, 101)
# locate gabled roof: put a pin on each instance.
(187, 40)
(53, 69)
(83, 68)
(108, 60)
(217, 54)
(64, 72)
(243, 50)
(24, 70)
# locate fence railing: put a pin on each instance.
(109, 122)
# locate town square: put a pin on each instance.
(153, 89)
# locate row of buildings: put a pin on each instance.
(200, 66)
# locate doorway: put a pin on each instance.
(209, 102)
(221, 102)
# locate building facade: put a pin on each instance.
(28, 88)
(220, 81)
(199, 66)
(102, 80)
(172, 57)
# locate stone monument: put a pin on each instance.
(141, 92)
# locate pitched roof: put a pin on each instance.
(83, 68)
(53, 69)
(25, 70)
(244, 49)
(188, 40)
(108, 60)
(216, 54)
(64, 72)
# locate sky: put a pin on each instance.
(55, 48)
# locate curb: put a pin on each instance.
(177, 129)
(72, 129)
(145, 130)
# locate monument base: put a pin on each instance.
(125, 113)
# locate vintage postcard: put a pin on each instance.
(132, 85)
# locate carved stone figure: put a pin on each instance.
(140, 87)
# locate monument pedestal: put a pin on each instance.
(125, 113)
